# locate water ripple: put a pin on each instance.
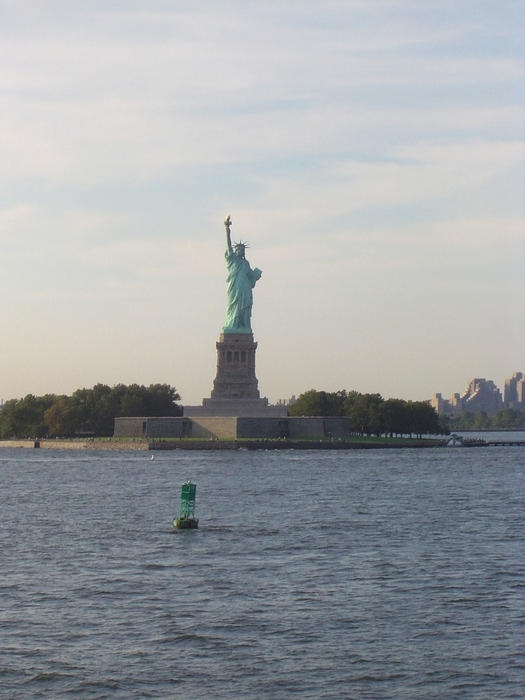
(323, 576)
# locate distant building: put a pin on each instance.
(481, 395)
(286, 402)
(446, 406)
(514, 391)
(439, 404)
(457, 403)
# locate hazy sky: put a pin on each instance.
(370, 151)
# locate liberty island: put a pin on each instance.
(235, 410)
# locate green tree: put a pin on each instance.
(61, 417)
(508, 419)
(332, 403)
(395, 417)
(319, 403)
(25, 417)
(161, 400)
(307, 404)
(423, 418)
(8, 419)
(349, 402)
(365, 413)
(481, 421)
(86, 410)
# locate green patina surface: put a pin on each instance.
(239, 284)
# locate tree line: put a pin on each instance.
(86, 411)
(505, 419)
(92, 411)
(371, 414)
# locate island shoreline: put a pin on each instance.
(207, 445)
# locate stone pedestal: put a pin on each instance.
(235, 377)
(235, 388)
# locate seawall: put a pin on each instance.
(139, 444)
(77, 444)
(288, 444)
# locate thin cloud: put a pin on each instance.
(371, 152)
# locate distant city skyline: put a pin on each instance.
(483, 395)
(370, 153)
(480, 394)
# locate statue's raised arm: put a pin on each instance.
(228, 224)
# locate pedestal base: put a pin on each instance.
(253, 408)
(235, 378)
(235, 391)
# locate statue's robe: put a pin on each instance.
(240, 282)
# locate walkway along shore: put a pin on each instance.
(142, 444)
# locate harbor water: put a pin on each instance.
(348, 574)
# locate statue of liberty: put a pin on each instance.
(240, 282)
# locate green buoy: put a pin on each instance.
(186, 518)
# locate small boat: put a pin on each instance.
(455, 441)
